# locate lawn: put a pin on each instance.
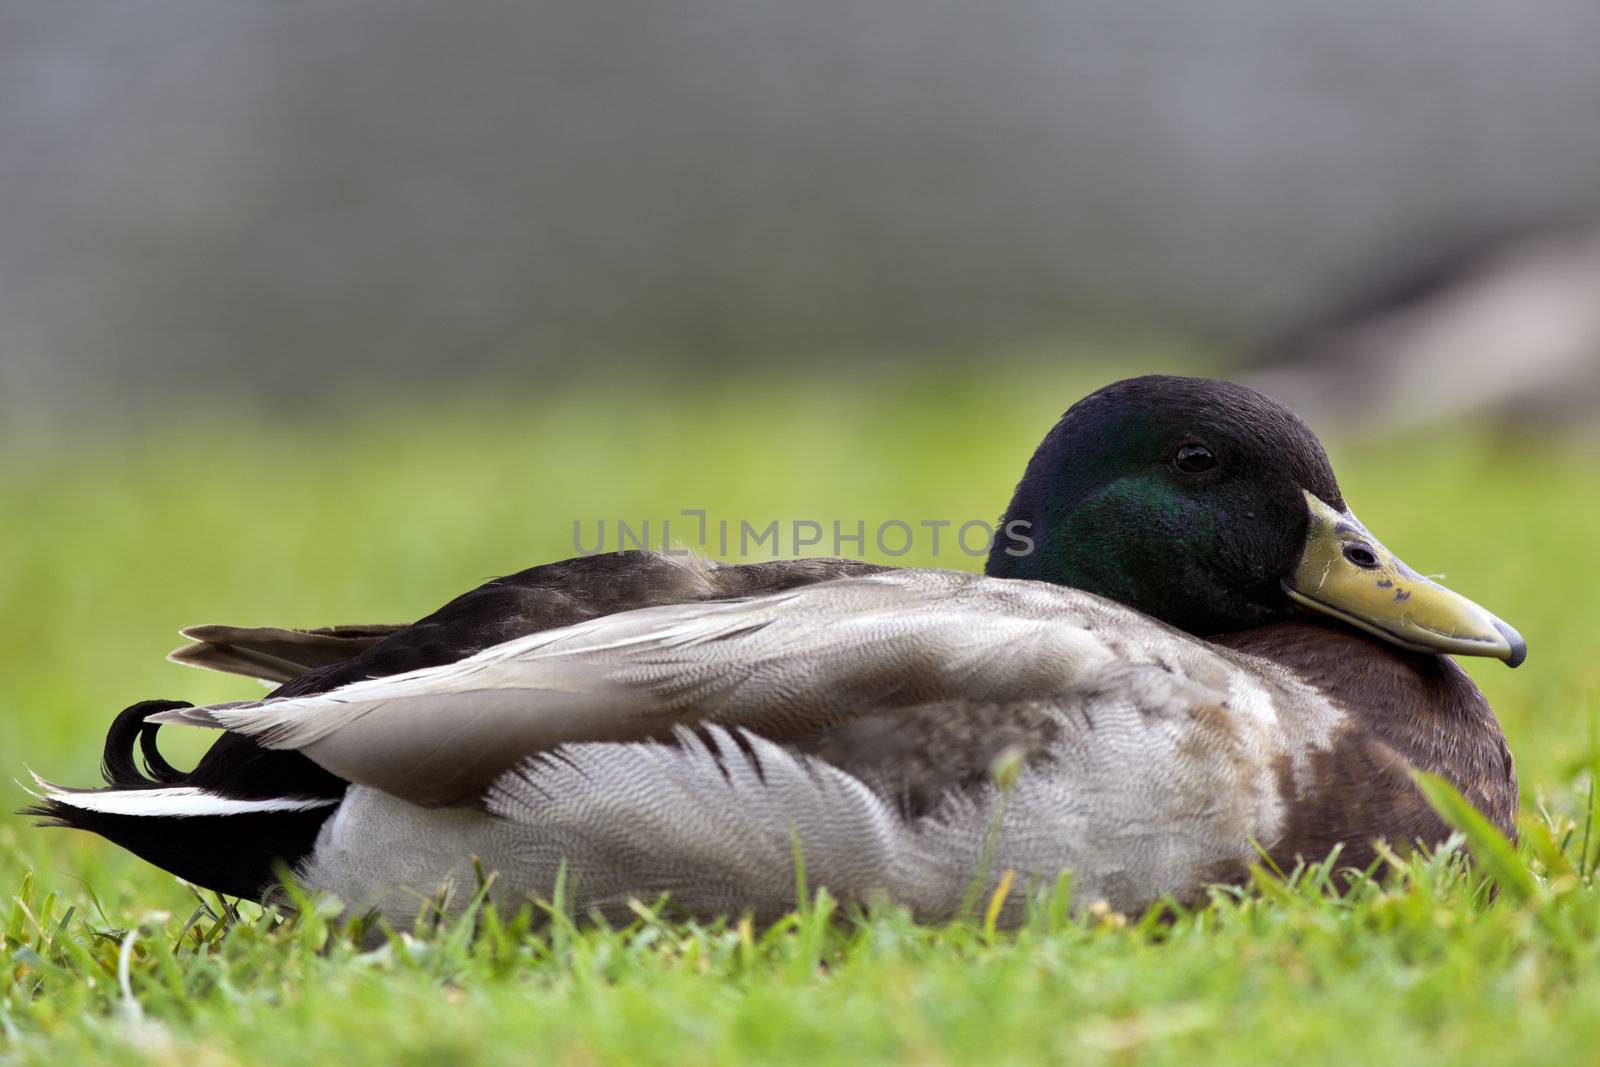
(380, 513)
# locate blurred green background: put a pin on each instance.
(382, 513)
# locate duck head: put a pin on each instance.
(1213, 507)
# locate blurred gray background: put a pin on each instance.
(292, 199)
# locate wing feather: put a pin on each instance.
(785, 666)
(273, 654)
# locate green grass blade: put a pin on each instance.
(1495, 854)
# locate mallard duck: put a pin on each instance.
(1204, 655)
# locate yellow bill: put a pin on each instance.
(1345, 572)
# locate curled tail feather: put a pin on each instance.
(117, 763)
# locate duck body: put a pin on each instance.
(1151, 766)
(861, 717)
(640, 724)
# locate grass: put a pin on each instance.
(378, 515)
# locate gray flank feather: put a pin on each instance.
(709, 820)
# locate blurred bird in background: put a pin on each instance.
(1503, 325)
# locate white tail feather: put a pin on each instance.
(170, 801)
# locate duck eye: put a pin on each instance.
(1194, 459)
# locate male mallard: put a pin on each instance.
(1205, 652)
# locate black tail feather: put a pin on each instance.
(117, 764)
(237, 855)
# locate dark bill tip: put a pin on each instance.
(1519, 647)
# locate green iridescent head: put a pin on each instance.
(1200, 503)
